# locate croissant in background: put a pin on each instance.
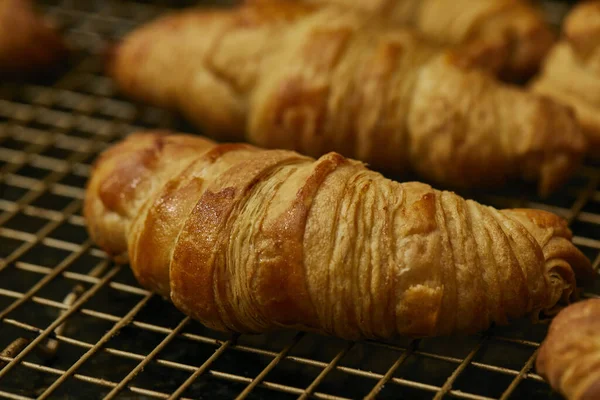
(509, 37)
(250, 240)
(28, 43)
(569, 357)
(571, 74)
(293, 76)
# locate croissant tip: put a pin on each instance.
(547, 185)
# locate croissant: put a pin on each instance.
(509, 37)
(251, 240)
(28, 43)
(571, 73)
(287, 75)
(569, 357)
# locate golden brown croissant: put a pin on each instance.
(571, 73)
(506, 36)
(570, 355)
(250, 240)
(27, 42)
(285, 75)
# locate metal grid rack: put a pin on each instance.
(74, 324)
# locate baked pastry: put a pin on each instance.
(570, 355)
(509, 37)
(287, 75)
(251, 240)
(571, 73)
(28, 43)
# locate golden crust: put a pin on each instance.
(571, 72)
(582, 28)
(509, 37)
(250, 240)
(27, 42)
(569, 356)
(512, 30)
(282, 75)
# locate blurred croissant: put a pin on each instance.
(287, 75)
(571, 74)
(509, 37)
(251, 240)
(569, 357)
(28, 43)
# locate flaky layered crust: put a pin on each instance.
(286, 75)
(571, 73)
(27, 42)
(250, 240)
(570, 355)
(509, 37)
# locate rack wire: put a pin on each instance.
(74, 324)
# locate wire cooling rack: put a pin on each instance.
(75, 325)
